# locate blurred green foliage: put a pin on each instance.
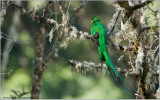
(57, 82)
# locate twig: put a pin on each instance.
(23, 10)
(53, 51)
(7, 73)
(130, 9)
(140, 5)
(156, 59)
(155, 12)
(83, 4)
(112, 28)
(154, 51)
(147, 28)
(68, 6)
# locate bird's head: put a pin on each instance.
(96, 19)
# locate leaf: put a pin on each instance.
(15, 92)
(24, 93)
(13, 97)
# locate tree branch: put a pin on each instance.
(114, 23)
(130, 9)
(23, 10)
(90, 65)
(38, 67)
(138, 6)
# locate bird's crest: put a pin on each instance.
(96, 18)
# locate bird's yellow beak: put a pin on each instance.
(92, 21)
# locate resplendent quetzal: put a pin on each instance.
(99, 32)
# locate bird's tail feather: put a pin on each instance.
(101, 65)
(118, 82)
(111, 66)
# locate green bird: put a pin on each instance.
(99, 32)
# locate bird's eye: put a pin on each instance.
(95, 21)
